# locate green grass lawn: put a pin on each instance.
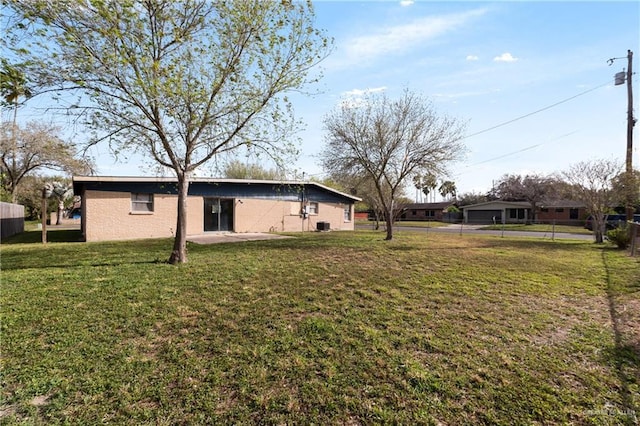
(326, 328)
(407, 223)
(540, 227)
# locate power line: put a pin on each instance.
(522, 150)
(537, 111)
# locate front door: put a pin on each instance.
(218, 214)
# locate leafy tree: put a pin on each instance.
(13, 86)
(469, 198)
(389, 141)
(627, 188)
(448, 188)
(181, 81)
(591, 182)
(35, 148)
(236, 169)
(532, 188)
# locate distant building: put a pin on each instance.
(425, 211)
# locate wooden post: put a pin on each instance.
(44, 216)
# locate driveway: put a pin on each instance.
(231, 237)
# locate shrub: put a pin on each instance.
(620, 236)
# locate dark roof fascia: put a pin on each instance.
(168, 185)
(429, 206)
(521, 204)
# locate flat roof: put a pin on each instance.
(165, 179)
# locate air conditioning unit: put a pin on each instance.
(323, 226)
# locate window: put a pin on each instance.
(347, 213)
(544, 209)
(559, 210)
(573, 213)
(413, 212)
(141, 202)
(516, 213)
(312, 208)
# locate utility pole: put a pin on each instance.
(620, 77)
(630, 123)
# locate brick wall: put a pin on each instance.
(108, 216)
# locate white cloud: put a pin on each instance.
(362, 92)
(354, 98)
(505, 57)
(400, 39)
(472, 58)
(405, 3)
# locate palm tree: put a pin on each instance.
(448, 188)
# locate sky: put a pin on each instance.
(486, 64)
(531, 80)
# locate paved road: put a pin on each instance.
(473, 229)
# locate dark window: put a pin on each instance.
(141, 202)
(544, 209)
(559, 210)
(516, 213)
(413, 212)
(574, 214)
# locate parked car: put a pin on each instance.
(611, 220)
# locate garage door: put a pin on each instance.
(484, 216)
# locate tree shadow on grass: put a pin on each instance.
(53, 236)
(625, 355)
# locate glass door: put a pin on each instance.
(218, 214)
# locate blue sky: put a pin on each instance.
(485, 63)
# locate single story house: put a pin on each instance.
(562, 212)
(497, 211)
(425, 211)
(118, 208)
(565, 212)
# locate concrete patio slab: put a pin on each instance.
(231, 237)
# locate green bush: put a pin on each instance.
(620, 236)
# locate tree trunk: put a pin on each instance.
(533, 212)
(60, 212)
(389, 221)
(599, 231)
(179, 252)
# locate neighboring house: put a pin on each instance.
(497, 211)
(563, 212)
(425, 211)
(362, 215)
(118, 208)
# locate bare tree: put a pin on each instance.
(532, 188)
(37, 147)
(591, 183)
(180, 81)
(389, 141)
